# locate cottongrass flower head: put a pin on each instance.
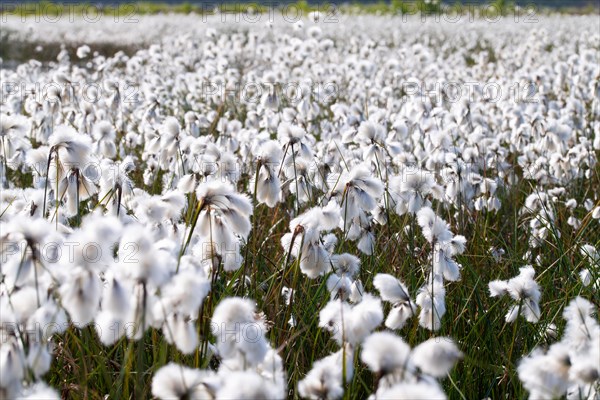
(104, 135)
(39, 390)
(186, 291)
(115, 309)
(546, 374)
(524, 290)
(19, 266)
(571, 366)
(592, 257)
(410, 190)
(116, 187)
(357, 190)
(342, 282)
(142, 258)
(71, 147)
(325, 380)
(80, 295)
(13, 143)
(234, 208)
(294, 140)
(412, 391)
(66, 173)
(299, 181)
(351, 324)
(12, 367)
(249, 385)
(238, 316)
(435, 229)
(395, 292)
(180, 331)
(581, 328)
(431, 298)
(223, 218)
(443, 257)
(436, 356)
(385, 353)
(304, 241)
(39, 359)
(266, 182)
(345, 264)
(178, 382)
(394, 363)
(344, 288)
(83, 51)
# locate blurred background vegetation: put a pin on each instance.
(15, 48)
(31, 7)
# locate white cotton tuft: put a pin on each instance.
(345, 264)
(39, 390)
(176, 382)
(248, 385)
(497, 288)
(386, 353)
(83, 51)
(187, 183)
(399, 315)
(181, 332)
(413, 391)
(436, 356)
(80, 296)
(324, 380)
(390, 289)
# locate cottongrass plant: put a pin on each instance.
(525, 292)
(571, 366)
(445, 246)
(402, 371)
(395, 292)
(249, 367)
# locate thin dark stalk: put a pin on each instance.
(52, 150)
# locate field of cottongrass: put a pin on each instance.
(367, 207)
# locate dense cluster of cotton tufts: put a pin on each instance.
(571, 366)
(128, 212)
(396, 366)
(249, 367)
